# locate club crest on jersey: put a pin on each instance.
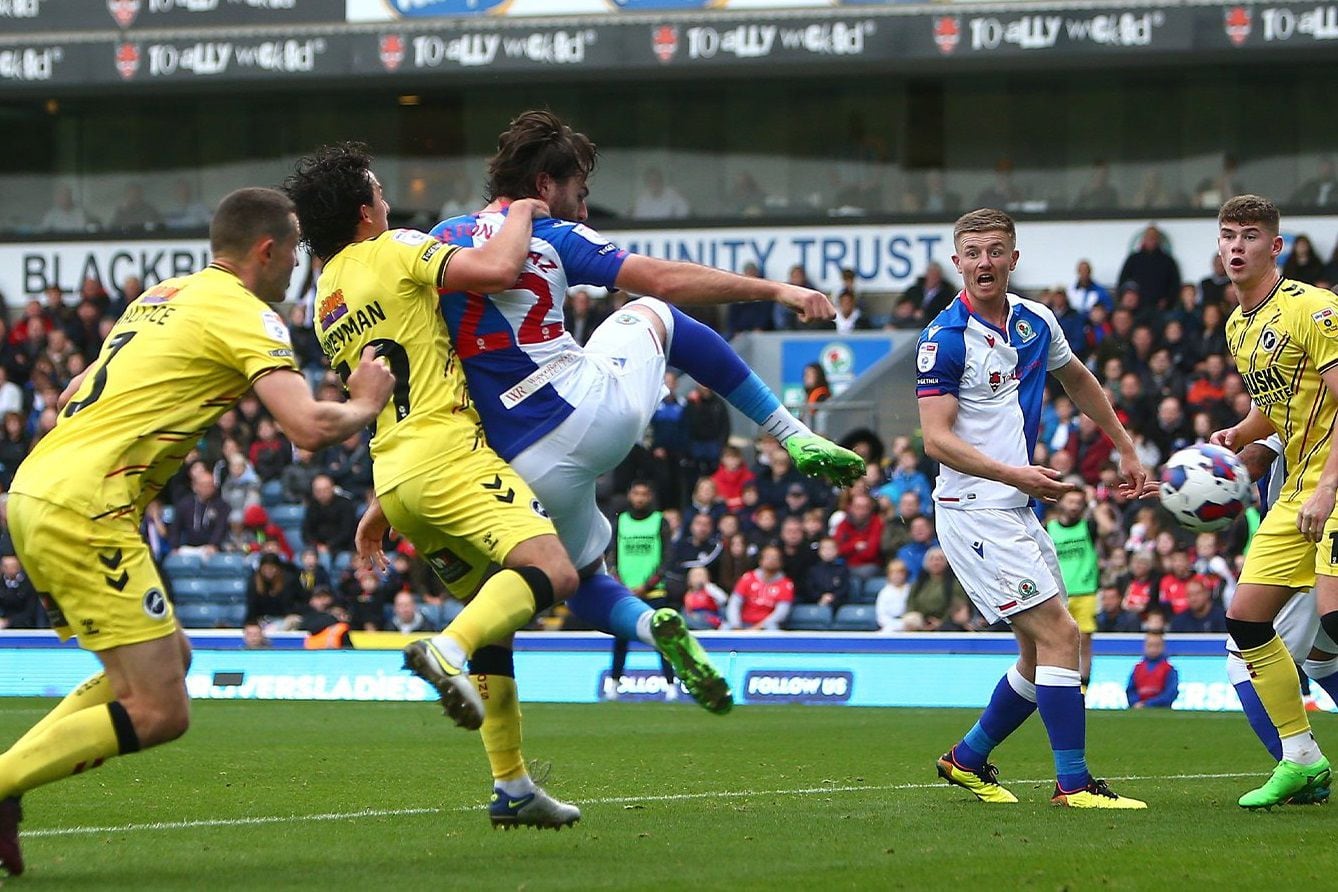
(155, 604)
(926, 355)
(1268, 340)
(1327, 320)
(1024, 330)
(332, 309)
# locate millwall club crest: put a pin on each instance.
(1236, 21)
(124, 11)
(995, 380)
(664, 41)
(392, 51)
(947, 33)
(127, 60)
(1268, 340)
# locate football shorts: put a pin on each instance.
(466, 515)
(96, 577)
(1083, 610)
(1280, 555)
(1002, 557)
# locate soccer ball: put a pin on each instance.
(1204, 487)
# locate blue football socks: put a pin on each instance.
(1060, 703)
(1013, 702)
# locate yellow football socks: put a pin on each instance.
(77, 742)
(1273, 675)
(95, 690)
(503, 604)
(501, 725)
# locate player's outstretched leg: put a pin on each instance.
(708, 358)
(967, 764)
(459, 699)
(608, 605)
(517, 801)
(703, 681)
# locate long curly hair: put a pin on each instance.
(328, 189)
(537, 142)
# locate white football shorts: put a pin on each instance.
(1002, 557)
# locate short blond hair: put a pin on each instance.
(984, 220)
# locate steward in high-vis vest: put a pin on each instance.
(640, 557)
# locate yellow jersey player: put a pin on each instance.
(1284, 336)
(179, 357)
(437, 480)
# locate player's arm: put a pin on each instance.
(1254, 426)
(689, 284)
(1259, 456)
(70, 390)
(1318, 508)
(938, 413)
(1085, 391)
(495, 265)
(314, 424)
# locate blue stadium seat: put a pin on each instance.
(226, 591)
(810, 618)
(288, 515)
(209, 616)
(341, 562)
(175, 565)
(271, 493)
(294, 536)
(225, 564)
(190, 589)
(866, 590)
(856, 618)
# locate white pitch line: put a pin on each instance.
(608, 800)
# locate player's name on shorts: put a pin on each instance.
(537, 379)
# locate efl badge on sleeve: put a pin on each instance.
(1327, 320)
(926, 355)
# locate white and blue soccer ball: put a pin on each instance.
(1204, 487)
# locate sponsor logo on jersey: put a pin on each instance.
(925, 356)
(448, 565)
(947, 33)
(1236, 21)
(391, 49)
(431, 249)
(155, 604)
(995, 380)
(332, 309)
(124, 11)
(664, 42)
(127, 60)
(538, 379)
(159, 294)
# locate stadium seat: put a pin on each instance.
(866, 590)
(810, 618)
(288, 515)
(271, 493)
(856, 618)
(190, 589)
(295, 541)
(209, 616)
(175, 565)
(341, 562)
(226, 591)
(225, 565)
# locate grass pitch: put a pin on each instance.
(263, 795)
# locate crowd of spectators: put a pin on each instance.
(748, 530)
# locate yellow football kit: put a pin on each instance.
(178, 358)
(438, 481)
(1282, 347)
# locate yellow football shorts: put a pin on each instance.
(96, 577)
(1083, 610)
(1280, 555)
(466, 515)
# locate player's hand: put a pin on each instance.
(537, 207)
(1225, 438)
(371, 382)
(1041, 482)
(1315, 513)
(1135, 481)
(370, 535)
(808, 305)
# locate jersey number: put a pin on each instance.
(532, 328)
(100, 376)
(398, 358)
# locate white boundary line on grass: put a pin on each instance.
(609, 800)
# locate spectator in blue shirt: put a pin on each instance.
(906, 477)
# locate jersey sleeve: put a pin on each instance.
(1060, 351)
(253, 340)
(940, 358)
(422, 257)
(587, 257)
(1315, 326)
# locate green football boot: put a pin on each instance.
(1287, 780)
(703, 681)
(817, 456)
